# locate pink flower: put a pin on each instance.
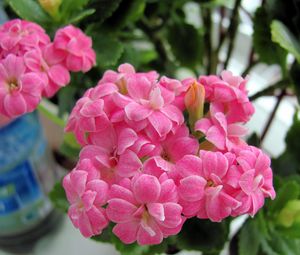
(221, 134)
(49, 61)
(125, 72)
(20, 91)
(167, 152)
(253, 179)
(19, 36)
(228, 95)
(112, 154)
(145, 209)
(151, 104)
(202, 188)
(86, 198)
(78, 48)
(90, 112)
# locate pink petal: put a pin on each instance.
(14, 104)
(128, 164)
(101, 189)
(156, 210)
(190, 165)
(97, 219)
(192, 188)
(59, 75)
(217, 137)
(168, 192)
(173, 113)
(137, 112)
(92, 108)
(172, 212)
(146, 237)
(146, 189)
(127, 232)
(127, 137)
(117, 191)
(160, 123)
(119, 210)
(84, 225)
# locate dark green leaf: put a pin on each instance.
(292, 138)
(127, 12)
(254, 140)
(282, 36)
(105, 236)
(286, 164)
(268, 51)
(203, 235)
(66, 99)
(108, 49)
(295, 76)
(186, 44)
(58, 197)
(289, 191)
(104, 9)
(249, 238)
(29, 10)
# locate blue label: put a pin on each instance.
(18, 187)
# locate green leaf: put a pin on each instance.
(78, 17)
(108, 49)
(127, 12)
(282, 36)
(186, 44)
(105, 236)
(254, 140)
(249, 238)
(289, 191)
(203, 235)
(58, 197)
(69, 6)
(29, 10)
(268, 51)
(283, 245)
(295, 76)
(66, 99)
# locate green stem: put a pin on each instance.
(232, 30)
(269, 90)
(51, 116)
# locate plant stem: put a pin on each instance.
(251, 63)
(269, 90)
(206, 15)
(273, 113)
(157, 42)
(232, 30)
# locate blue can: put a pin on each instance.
(27, 174)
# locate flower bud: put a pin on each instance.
(194, 102)
(50, 6)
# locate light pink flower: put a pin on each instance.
(253, 179)
(145, 209)
(86, 198)
(19, 36)
(110, 151)
(78, 48)
(202, 188)
(20, 91)
(49, 62)
(221, 134)
(228, 95)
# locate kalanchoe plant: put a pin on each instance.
(142, 169)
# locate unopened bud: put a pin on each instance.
(194, 102)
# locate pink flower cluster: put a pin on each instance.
(145, 170)
(31, 66)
